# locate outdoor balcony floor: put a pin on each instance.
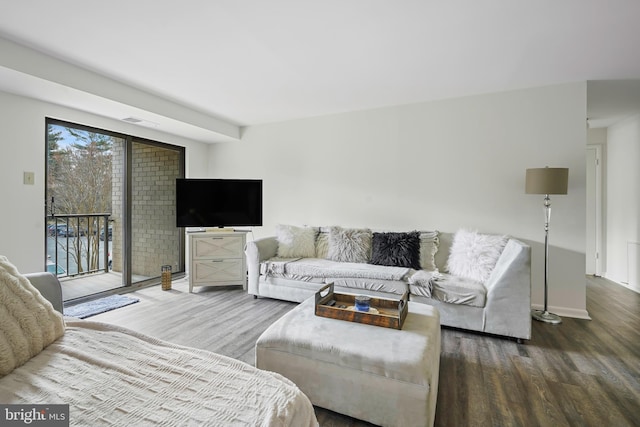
(90, 284)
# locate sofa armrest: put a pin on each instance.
(49, 287)
(508, 307)
(257, 251)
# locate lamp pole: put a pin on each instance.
(545, 316)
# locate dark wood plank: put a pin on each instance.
(578, 373)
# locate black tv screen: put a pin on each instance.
(218, 202)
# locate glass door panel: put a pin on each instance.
(155, 239)
(80, 191)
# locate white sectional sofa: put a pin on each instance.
(478, 282)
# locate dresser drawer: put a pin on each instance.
(217, 247)
(218, 270)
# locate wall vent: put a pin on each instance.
(141, 122)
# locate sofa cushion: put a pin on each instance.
(449, 289)
(349, 244)
(29, 322)
(296, 242)
(316, 267)
(473, 255)
(421, 279)
(396, 249)
(311, 283)
(371, 287)
(429, 244)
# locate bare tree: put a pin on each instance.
(79, 182)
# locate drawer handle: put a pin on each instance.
(217, 260)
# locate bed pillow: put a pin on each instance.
(396, 249)
(349, 244)
(28, 321)
(429, 244)
(296, 242)
(473, 255)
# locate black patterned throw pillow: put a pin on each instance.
(396, 249)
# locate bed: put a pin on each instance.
(110, 375)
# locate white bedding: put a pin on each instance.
(113, 376)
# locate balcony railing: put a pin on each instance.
(78, 244)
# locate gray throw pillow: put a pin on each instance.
(349, 244)
(322, 243)
(429, 244)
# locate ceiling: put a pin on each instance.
(205, 68)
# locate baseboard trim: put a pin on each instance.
(631, 287)
(565, 311)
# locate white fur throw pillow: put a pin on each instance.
(473, 255)
(350, 244)
(28, 322)
(296, 242)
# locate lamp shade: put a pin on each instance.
(547, 181)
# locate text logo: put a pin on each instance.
(34, 415)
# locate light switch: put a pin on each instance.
(29, 178)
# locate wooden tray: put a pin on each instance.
(391, 313)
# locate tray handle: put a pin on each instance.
(324, 294)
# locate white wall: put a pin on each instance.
(440, 165)
(22, 143)
(623, 201)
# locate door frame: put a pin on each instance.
(596, 193)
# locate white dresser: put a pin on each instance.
(217, 259)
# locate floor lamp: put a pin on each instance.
(546, 181)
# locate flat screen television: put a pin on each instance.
(218, 202)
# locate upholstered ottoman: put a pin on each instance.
(385, 376)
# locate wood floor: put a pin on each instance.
(579, 373)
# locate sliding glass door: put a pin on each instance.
(110, 209)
